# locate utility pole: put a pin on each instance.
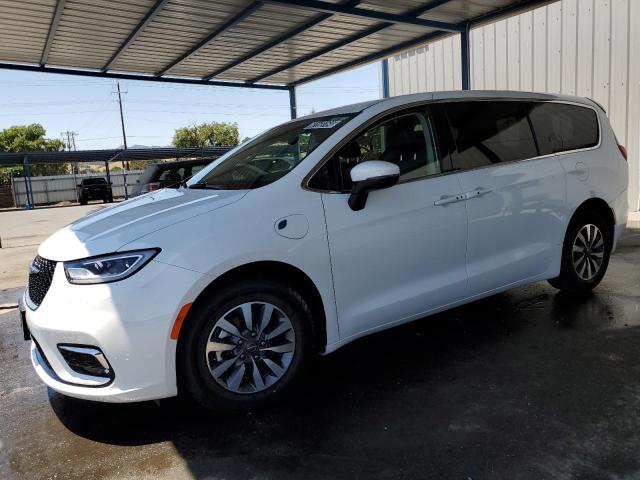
(71, 140)
(124, 139)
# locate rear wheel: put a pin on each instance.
(245, 346)
(83, 201)
(585, 253)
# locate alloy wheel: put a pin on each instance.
(587, 252)
(250, 347)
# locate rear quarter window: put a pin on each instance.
(563, 127)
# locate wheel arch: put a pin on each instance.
(273, 270)
(598, 205)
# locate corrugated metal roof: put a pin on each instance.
(274, 42)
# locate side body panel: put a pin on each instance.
(598, 173)
(516, 223)
(400, 256)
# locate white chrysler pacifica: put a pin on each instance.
(320, 231)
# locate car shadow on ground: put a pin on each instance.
(512, 381)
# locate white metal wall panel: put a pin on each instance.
(587, 48)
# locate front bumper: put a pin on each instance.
(129, 321)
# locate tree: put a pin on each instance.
(212, 134)
(30, 138)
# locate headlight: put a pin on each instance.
(107, 268)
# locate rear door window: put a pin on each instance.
(562, 127)
(489, 132)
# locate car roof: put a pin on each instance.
(450, 95)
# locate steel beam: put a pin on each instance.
(234, 20)
(465, 58)
(387, 52)
(344, 42)
(322, 6)
(282, 38)
(384, 80)
(293, 103)
(149, 16)
(53, 28)
(511, 9)
(146, 78)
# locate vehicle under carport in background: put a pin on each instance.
(168, 175)
(94, 189)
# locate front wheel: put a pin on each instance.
(245, 346)
(585, 253)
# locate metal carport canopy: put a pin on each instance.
(117, 154)
(273, 44)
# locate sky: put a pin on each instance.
(153, 111)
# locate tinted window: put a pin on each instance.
(172, 175)
(405, 140)
(485, 133)
(196, 168)
(94, 181)
(561, 127)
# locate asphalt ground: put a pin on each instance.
(529, 384)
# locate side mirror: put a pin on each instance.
(369, 176)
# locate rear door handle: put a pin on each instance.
(447, 199)
(478, 192)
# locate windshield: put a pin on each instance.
(270, 156)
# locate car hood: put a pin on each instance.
(110, 229)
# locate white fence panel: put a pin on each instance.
(61, 188)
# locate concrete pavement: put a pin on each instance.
(529, 384)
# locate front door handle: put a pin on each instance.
(447, 199)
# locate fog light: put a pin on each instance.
(86, 360)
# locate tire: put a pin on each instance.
(236, 386)
(83, 201)
(577, 273)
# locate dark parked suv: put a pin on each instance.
(94, 189)
(168, 175)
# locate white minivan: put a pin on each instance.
(320, 231)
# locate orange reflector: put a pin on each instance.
(175, 331)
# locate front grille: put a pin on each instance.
(40, 277)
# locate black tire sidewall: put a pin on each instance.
(194, 374)
(569, 279)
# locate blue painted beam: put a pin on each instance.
(234, 20)
(322, 6)
(293, 103)
(149, 16)
(134, 76)
(465, 57)
(346, 41)
(282, 38)
(384, 73)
